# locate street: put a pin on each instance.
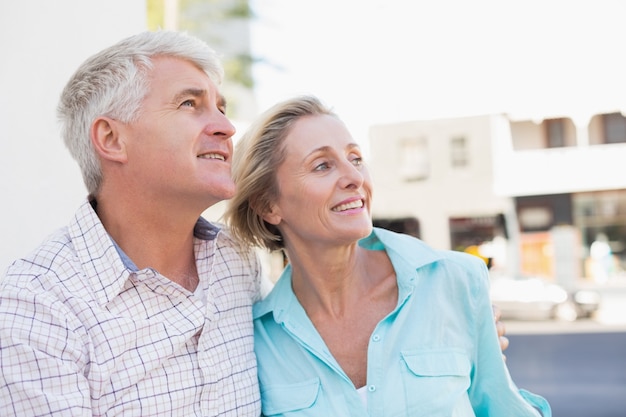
(581, 374)
(580, 366)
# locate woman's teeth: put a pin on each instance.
(348, 206)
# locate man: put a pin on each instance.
(138, 306)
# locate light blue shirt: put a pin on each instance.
(435, 354)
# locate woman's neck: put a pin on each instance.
(337, 281)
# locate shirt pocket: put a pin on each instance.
(437, 363)
(436, 382)
(283, 399)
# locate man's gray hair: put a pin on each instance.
(114, 82)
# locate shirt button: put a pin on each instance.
(376, 338)
(371, 388)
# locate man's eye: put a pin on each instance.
(188, 103)
(357, 161)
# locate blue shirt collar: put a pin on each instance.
(407, 255)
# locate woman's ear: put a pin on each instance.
(107, 140)
(272, 215)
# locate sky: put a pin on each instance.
(383, 61)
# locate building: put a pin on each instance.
(544, 197)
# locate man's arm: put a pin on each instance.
(41, 355)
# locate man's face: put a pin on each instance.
(180, 148)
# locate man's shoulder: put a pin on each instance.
(54, 251)
(210, 230)
(233, 262)
(53, 261)
(227, 239)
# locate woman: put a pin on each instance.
(363, 321)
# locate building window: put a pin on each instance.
(555, 133)
(535, 218)
(415, 161)
(614, 128)
(540, 213)
(472, 231)
(458, 152)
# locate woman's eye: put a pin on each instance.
(358, 161)
(322, 167)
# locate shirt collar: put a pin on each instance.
(407, 255)
(105, 263)
(104, 269)
(413, 251)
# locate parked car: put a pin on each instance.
(535, 298)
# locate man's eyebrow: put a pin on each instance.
(194, 92)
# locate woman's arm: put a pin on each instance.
(492, 391)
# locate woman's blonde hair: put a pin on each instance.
(257, 156)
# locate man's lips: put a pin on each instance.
(212, 155)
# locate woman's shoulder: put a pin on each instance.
(415, 248)
(464, 260)
(448, 268)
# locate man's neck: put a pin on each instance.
(153, 238)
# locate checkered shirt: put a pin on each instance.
(84, 333)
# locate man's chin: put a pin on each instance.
(221, 194)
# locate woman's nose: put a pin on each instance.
(351, 175)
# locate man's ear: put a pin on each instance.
(107, 140)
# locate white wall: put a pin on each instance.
(41, 44)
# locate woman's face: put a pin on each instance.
(324, 188)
